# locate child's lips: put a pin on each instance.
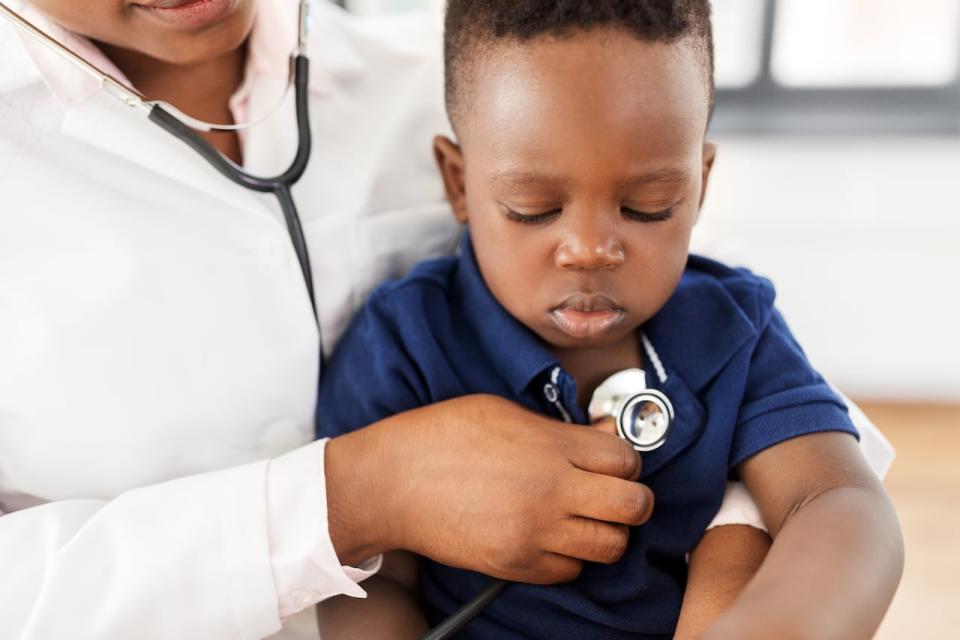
(584, 316)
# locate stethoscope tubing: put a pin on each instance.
(467, 612)
(279, 185)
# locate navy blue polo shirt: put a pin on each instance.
(738, 380)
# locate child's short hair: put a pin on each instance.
(470, 24)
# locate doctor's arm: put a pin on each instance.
(837, 554)
(199, 556)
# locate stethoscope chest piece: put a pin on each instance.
(644, 419)
(644, 416)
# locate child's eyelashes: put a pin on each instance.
(627, 212)
(644, 216)
(532, 218)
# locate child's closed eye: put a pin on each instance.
(533, 218)
(645, 216)
(628, 212)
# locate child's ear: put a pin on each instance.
(450, 160)
(709, 156)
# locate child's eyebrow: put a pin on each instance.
(519, 178)
(661, 175)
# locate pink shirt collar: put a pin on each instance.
(271, 42)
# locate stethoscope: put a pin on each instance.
(644, 416)
(185, 128)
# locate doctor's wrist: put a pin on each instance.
(359, 519)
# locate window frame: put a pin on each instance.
(768, 107)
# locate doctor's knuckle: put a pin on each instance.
(626, 459)
(646, 500)
(633, 503)
(612, 545)
(567, 570)
(517, 560)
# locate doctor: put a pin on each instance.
(159, 359)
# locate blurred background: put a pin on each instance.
(838, 123)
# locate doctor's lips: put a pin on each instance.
(587, 316)
(187, 14)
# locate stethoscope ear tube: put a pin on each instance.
(280, 185)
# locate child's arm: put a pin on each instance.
(391, 609)
(837, 554)
(720, 566)
(722, 563)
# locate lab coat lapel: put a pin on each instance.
(106, 124)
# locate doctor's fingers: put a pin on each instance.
(606, 425)
(554, 568)
(600, 497)
(593, 450)
(589, 540)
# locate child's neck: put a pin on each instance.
(591, 366)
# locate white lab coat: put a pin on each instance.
(154, 325)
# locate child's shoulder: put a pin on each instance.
(423, 298)
(706, 282)
(429, 278)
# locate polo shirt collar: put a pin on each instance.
(700, 328)
(516, 353)
(696, 333)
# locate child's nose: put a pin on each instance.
(589, 246)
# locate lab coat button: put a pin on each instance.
(303, 599)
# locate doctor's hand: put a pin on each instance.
(483, 484)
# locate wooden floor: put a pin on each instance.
(925, 485)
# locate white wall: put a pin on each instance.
(367, 7)
(862, 238)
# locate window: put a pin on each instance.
(738, 33)
(866, 43)
(822, 66)
(849, 66)
(391, 6)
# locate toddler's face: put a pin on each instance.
(582, 172)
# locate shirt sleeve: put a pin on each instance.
(228, 552)
(184, 559)
(784, 396)
(738, 506)
(305, 566)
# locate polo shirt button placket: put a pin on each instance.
(552, 393)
